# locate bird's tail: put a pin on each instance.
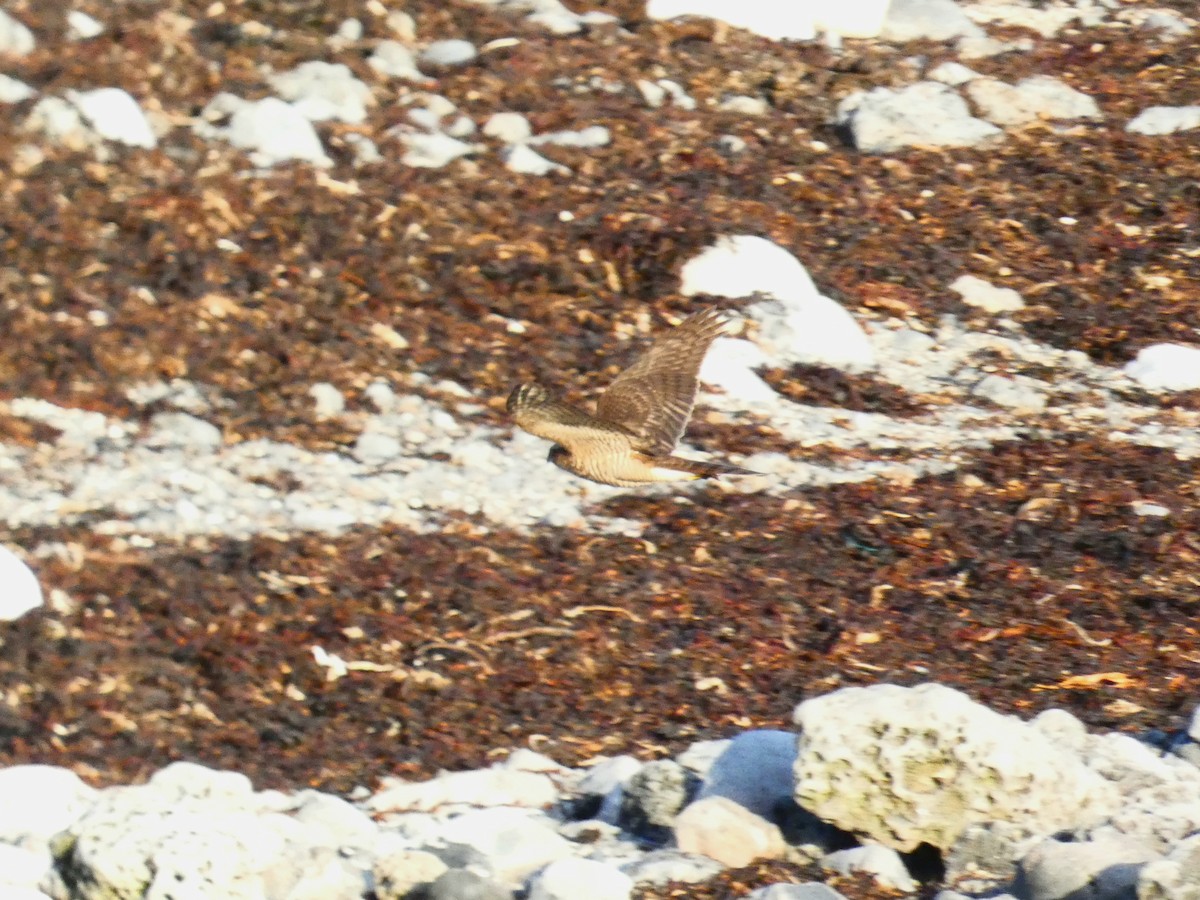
(707, 468)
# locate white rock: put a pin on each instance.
(747, 106)
(61, 122)
(185, 432)
(727, 832)
(510, 127)
(453, 52)
(40, 801)
(883, 863)
(925, 114)
(652, 92)
(514, 842)
(580, 879)
(14, 91)
(592, 136)
(910, 765)
(1165, 120)
(401, 24)
(329, 401)
(424, 150)
(741, 265)
(114, 115)
(524, 160)
(1034, 98)
(1142, 508)
(952, 73)
(22, 870)
(755, 771)
(797, 323)
(324, 91)
(1194, 726)
(1017, 392)
(19, 590)
(375, 445)
(15, 38)
(730, 364)
(768, 18)
(662, 866)
(679, 97)
(393, 59)
(350, 31)
(936, 20)
(1175, 877)
(274, 131)
(986, 296)
(483, 787)
(1167, 367)
(82, 27)
(398, 873)
(809, 890)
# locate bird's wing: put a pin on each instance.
(535, 411)
(653, 398)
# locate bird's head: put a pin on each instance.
(526, 396)
(557, 454)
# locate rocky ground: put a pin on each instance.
(1049, 560)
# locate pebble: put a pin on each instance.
(810, 890)
(934, 20)
(592, 136)
(15, 38)
(1035, 98)
(1017, 392)
(327, 399)
(453, 52)
(767, 18)
(323, 91)
(525, 161)
(82, 27)
(726, 831)
(986, 296)
(395, 60)
(509, 127)
(1165, 120)
(1166, 367)
(423, 150)
(14, 91)
(746, 106)
(19, 589)
(754, 771)
(580, 879)
(925, 114)
(114, 116)
(273, 130)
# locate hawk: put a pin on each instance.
(639, 418)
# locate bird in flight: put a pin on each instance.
(638, 420)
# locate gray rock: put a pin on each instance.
(662, 866)
(882, 863)
(461, 884)
(754, 771)
(580, 879)
(15, 38)
(513, 842)
(911, 765)
(1032, 99)
(925, 114)
(1165, 120)
(1092, 870)
(655, 795)
(935, 20)
(985, 856)
(453, 52)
